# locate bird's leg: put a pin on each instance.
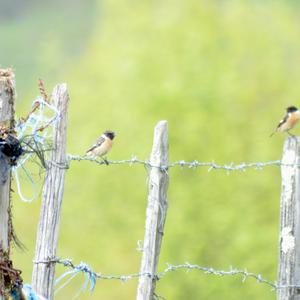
(105, 160)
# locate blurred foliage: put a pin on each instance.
(221, 73)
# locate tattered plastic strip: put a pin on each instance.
(30, 294)
(84, 268)
(26, 293)
(33, 184)
(37, 119)
(31, 128)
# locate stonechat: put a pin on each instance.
(103, 145)
(289, 121)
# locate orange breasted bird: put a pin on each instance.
(102, 146)
(289, 121)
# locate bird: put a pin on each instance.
(102, 146)
(289, 121)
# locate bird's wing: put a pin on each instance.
(98, 143)
(282, 121)
(280, 124)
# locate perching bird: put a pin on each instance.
(289, 121)
(102, 146)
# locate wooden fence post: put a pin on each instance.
(156, 212)
(289, 255)
(7, 101)
(48, 230)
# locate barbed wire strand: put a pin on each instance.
(32, 125)
(93, 276)
(182, 163)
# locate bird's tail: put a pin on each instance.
(275, 130)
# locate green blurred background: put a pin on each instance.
(221, 73)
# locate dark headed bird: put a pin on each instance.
(103, 145)
(289, 121)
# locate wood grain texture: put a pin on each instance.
(7, 102)
(289, 246)
(52, 195)
(156, 212)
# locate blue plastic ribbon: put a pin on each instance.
(81, 268)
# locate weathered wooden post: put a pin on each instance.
(289, 255)
(48, 230)
(7, 101)
(156, 212)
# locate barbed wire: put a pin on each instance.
(93, 276)
(182, 163)
(31, 127)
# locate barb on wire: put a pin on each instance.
(182, 163)
(93, 276)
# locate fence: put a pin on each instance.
(56, 164)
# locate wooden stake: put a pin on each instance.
(7, 102)
(156, 212)
(48, 230)
(289, 255)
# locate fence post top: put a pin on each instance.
(7, 73)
